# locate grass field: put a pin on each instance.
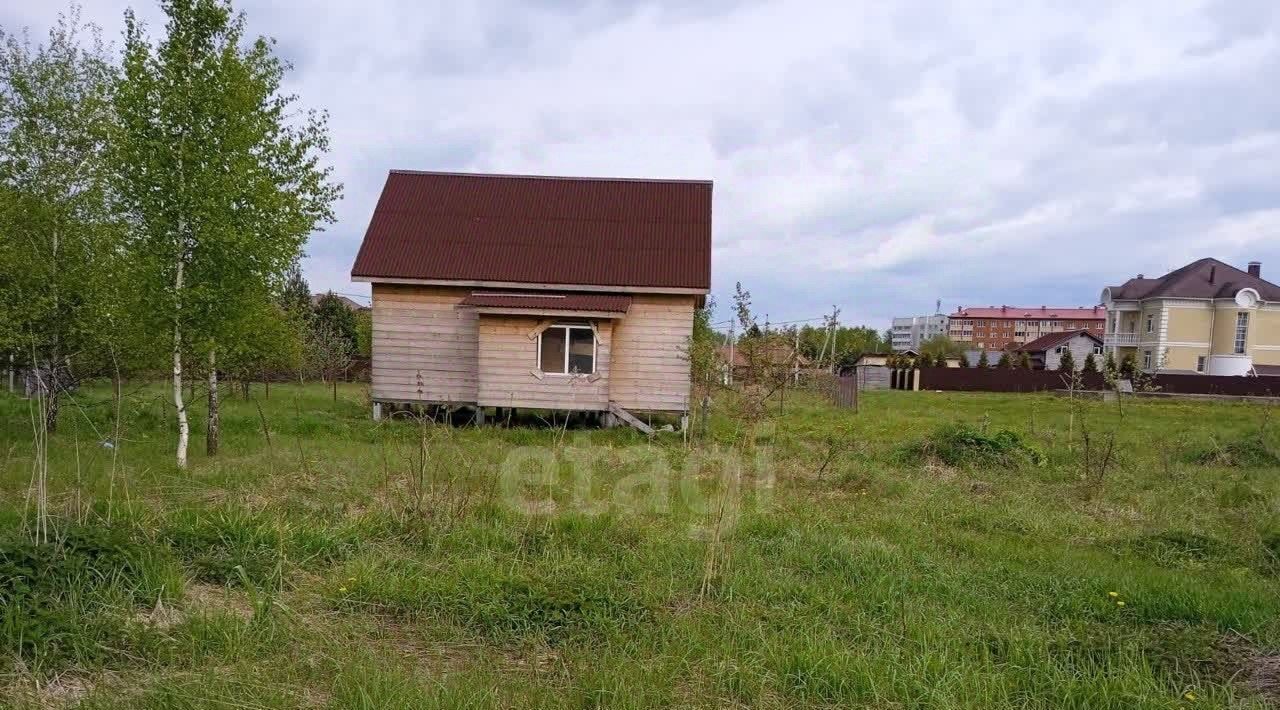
(931, 551)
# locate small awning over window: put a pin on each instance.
(596, 305)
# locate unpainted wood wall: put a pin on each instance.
(509, 359)
(426, 348)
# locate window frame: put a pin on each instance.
(1202, 362)
(566, 327)
(1147, 359)
(1242, 333)
(1151, 323)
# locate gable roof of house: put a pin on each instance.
(1047, 342)
(541, 230)
(1037, 312)
(1205, 278)
(351, 305)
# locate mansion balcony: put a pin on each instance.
(1120, 339)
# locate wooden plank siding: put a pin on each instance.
(650, 354)
(426, 348)
(509, 357)
(419, 333)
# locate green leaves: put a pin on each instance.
(214, 167)
(56, 229)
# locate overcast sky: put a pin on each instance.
(877, 155)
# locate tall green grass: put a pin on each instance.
(951, 556)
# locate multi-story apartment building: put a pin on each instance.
(911, 331)
(1206, 317)
(995, 327)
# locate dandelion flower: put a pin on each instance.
(1189, 695)
(1119, 603)
(1113, 594)
(342, 589)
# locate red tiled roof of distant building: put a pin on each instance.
(1033, 312)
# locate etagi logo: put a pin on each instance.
(712, 484)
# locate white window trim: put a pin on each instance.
(595, 347)
(1241, 342)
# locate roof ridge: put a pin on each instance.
(580, 178)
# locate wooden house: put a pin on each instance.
(507, 291)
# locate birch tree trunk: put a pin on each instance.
(211, 430)
(52, 381)
(184, 429)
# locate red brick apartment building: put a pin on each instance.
(997, 326)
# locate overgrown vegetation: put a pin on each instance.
(964, 445)
(932, 550)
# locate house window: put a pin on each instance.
(567, 350)
(1146, 359)
(1097, 350)
(1200, 363)
(1151, 323)
(1242, 331)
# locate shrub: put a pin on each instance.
(1271, 550)
(56, 598)
(215, 544)
(961, 445)
(1248, 451)
(1176, 547)
(1090, 363)
(1068, 362)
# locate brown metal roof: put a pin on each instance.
(1053, 340)
(545, 230)
(1206, 278)
(600, 302)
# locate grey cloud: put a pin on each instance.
(875, 155)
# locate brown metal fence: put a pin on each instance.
(972, 379)
(1213, 384)
(989, 379)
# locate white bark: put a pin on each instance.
(211, 430)
(184, 429)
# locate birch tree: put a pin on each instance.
(57, 243)
(220, 174)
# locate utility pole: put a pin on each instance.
(796, 359)
(732, 341)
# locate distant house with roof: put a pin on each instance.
(347, 303)
(995, 327)
(1207, 317)
(535, 292)
(1046, 351)
(768, 359)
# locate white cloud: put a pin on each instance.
(870, 154)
